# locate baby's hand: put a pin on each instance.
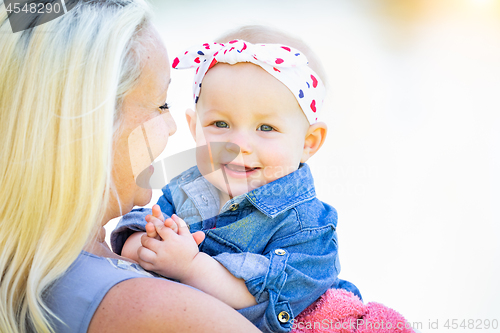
(173, 253)
(155, 218)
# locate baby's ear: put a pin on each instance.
(191, 120)
(315, 136)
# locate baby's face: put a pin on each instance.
(243, 106)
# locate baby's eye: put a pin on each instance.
(221, 124)
(164, 108)
(265, 128)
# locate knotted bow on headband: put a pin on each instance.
(286, 64)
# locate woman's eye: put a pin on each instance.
(265, 128)
(221, 124)
(164, 108)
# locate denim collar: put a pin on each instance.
(284, 193)
(271, 199)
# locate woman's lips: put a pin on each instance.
(238, 171)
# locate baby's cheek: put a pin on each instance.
(276, 166)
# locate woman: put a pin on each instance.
(74, 94)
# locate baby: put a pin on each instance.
(267, 245)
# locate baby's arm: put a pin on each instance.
(177, 256)
(294, 270)
(132, 244)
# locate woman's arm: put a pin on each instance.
(154, 305)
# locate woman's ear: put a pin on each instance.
(191, 120)
(315, 137)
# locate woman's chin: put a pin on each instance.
(143, 197)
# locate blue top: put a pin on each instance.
(76, 295)
(279, 238)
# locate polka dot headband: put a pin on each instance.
(286, 64)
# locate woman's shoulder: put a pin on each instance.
(148, 305)
(75, 296)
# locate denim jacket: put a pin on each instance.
(279, 238)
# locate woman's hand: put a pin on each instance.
(170, 248)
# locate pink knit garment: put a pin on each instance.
(340, 311)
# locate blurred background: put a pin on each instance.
(412, 157)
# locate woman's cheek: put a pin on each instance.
(146, 142)
(138, 148)
(157, 131)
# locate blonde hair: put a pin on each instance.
(61, 86)
(256, 34)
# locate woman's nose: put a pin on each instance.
(172, 127)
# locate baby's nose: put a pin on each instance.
(242, 142)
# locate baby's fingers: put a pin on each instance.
(145, 255)
(157, 213)
(164, 231)
(153, 223)
(170, 223)
(198, 237)
(151, 230)
(183, 228)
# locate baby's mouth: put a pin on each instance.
(239, 168)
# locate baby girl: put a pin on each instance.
(268, 245)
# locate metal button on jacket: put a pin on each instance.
(280, 252)
(233, 207)
(283, 317)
